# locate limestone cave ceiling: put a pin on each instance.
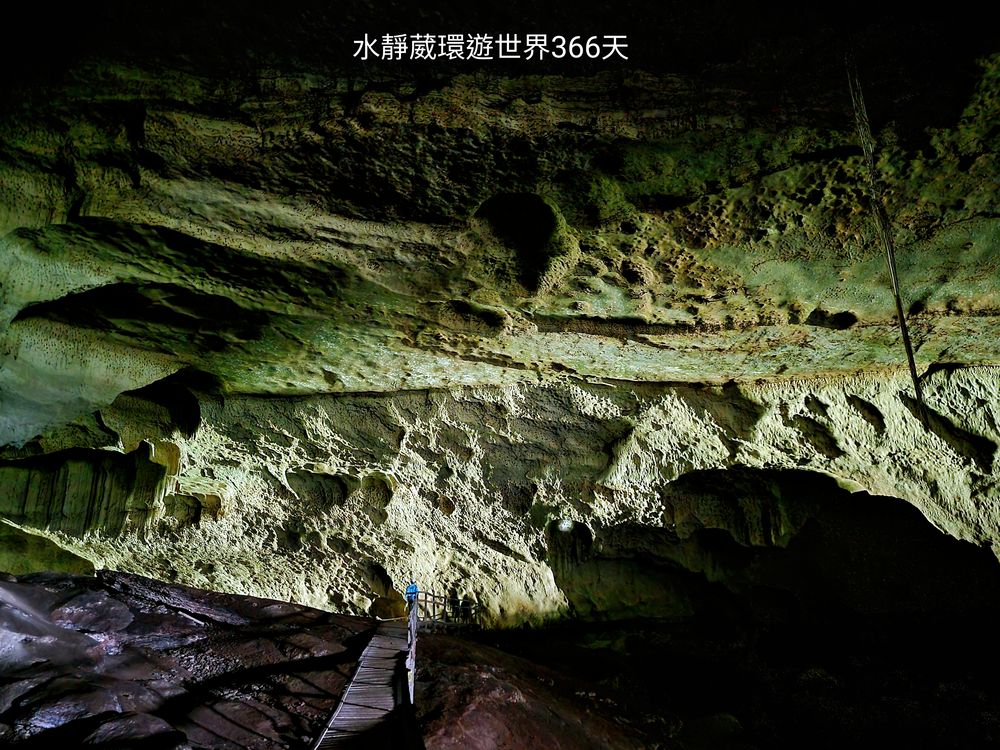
(272, 316)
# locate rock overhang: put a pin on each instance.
(302, 231)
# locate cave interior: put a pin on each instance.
(605, 346)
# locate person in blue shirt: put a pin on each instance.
(411, 592)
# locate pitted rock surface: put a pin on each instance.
(275, 322)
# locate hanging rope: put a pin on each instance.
(882, 223)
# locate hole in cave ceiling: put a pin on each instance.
(525, 223)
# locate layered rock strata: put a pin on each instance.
(307, 331)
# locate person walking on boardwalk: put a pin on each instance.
(411, 593)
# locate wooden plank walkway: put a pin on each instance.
(377, 690)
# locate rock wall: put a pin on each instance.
(79, 491)
(285, 327)
(295, 235)
(509, 494)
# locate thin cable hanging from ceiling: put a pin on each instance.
(882, 223)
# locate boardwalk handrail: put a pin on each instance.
(375, 691)
(447, 611)
(413, 622)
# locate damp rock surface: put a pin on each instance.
(124, 661)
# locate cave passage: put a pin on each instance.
(776, 609)
(774, 546)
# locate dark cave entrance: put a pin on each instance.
(774, 609)
(773, 546)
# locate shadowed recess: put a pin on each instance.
(165, 316)
(868, 412)
(839, 321)
(975, 448)
(172, 394)
(769, 545)
(318, 488)
(525, 223)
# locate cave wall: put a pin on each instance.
(79, 491)
(467, 489)
(294, 234)
(301, 329)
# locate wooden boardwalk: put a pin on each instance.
(376, 709)
(371, 711)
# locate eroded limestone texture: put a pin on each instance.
(534, 499)
(279, 325)
(297, 235)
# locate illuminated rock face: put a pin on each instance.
(538, 500)
(337, 332)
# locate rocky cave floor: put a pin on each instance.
(121, 661)
(726, 686)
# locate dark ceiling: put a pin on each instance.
(768, 45)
